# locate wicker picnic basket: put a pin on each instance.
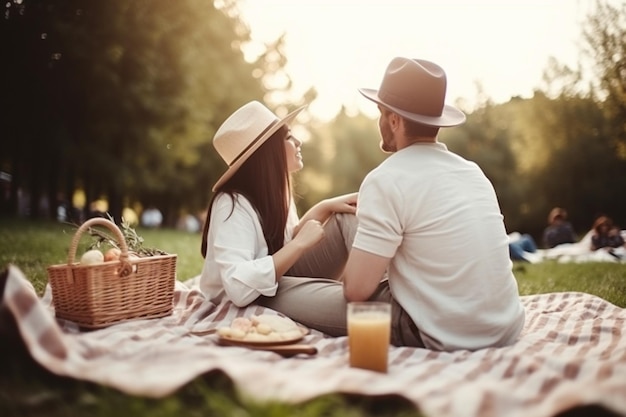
(95, 296)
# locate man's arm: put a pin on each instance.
(362, 274)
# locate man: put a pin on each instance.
(430, 220)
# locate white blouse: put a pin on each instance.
(237, 264)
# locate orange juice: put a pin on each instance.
(369, 329)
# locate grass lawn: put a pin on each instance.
(28, 390)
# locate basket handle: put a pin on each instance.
(125, 268)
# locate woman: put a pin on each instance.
(252, 235)
(606, 235)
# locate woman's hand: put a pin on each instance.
(309, 234)
(342, 204)
(324, 209)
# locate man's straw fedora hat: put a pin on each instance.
(416, 89)
(243, 133)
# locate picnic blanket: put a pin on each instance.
(572, 353)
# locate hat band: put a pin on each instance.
(251, 144)
(406, 104)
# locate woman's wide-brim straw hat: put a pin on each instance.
(416, 90)
(244, 132)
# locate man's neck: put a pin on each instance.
(411, 141)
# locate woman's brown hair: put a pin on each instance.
(602, 221)
(557, 213)
(265, 181)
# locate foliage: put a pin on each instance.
(122, 97)
(486, 139)
(337, 157)
(561, 147)
(104, 238)
(544, 152)
(605, 43)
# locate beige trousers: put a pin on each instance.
(311, 294)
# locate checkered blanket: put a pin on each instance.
(571, 353)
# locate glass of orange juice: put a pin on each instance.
(369, 330)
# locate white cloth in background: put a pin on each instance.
(581, 252)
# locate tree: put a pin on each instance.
(338, 156)
(605, 43)
(28, 112)
(486, 138)
(130, 95)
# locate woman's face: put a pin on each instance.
(292, 150)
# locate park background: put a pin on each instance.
(117, 101)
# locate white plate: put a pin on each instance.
(241, 342)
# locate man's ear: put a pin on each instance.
(395, 121)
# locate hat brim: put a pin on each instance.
(450, 116)
(244, 157)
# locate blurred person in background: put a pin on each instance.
(606, 235)
(559, 229)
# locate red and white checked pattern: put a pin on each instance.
(572, 353)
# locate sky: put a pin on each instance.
(338, 46)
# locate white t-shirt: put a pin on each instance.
(437, 216)
(237, 264)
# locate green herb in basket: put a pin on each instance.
(133, 240)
